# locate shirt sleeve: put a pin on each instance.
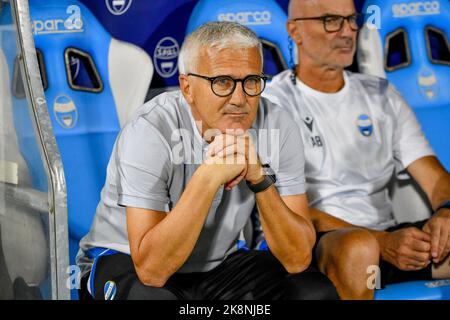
(410, 143)
(289, 162)
(143, 163)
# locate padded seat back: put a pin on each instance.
(265, 17)
(92, 84)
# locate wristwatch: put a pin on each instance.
(445, 204)
(269, 179)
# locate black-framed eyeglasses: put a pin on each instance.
(223, 86)
(335, 23)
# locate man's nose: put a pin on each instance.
(238, 97)
(347, 30)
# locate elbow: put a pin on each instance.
(298, 263)
(301, 259)
(151, 279)
(149, 268)
(154, 282)
(151, 275)
(298, 257)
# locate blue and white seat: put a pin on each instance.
(92, 84)
(265, 17)
(407, 42)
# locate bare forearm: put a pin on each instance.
(325, 222)
(290, 236)
(166, 247)
(441, 191)
(432, 178)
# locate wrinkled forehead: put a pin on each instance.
(312, 8)
(231, 58)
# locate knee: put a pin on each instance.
(309, 285)
(355, 246)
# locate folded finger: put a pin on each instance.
(419, 257)
(423, 235)
(435, 239)
(227, 151)
(416, 265)
(421, 246)
(220, 142)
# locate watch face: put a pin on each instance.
(268, 170)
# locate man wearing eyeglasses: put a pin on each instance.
(356, 131)
(184, 177)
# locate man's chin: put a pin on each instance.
(345, 58)
(342, 63)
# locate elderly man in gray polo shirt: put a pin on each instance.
(184, 177)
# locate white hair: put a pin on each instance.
(218, 35)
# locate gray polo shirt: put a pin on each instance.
(155, 156)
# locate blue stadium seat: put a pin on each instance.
(411, 50)
(408, 44)
(265, 17)
(92, 84)
(416, 290)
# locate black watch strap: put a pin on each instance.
(269, 179)
(445, 204)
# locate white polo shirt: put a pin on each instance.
(354, 140)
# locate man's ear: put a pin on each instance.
(186, 88)
(294, 32)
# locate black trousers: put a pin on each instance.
(244, 275)
(391, 274)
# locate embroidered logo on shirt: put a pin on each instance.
(316, 141)
(365, 125)
(309, 122)
(110, 290)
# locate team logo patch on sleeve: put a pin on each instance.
(110, 290)
(365, 125)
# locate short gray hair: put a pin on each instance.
(219, 35)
